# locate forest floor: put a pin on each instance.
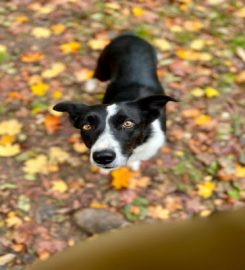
(48, 51)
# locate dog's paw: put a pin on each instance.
(134, 165)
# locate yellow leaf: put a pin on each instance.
(206, 189)
(9, 150)
(138, 11)
(70, 47)
(59, 186)
(80, 147)
(204, 56)
(241, 12)
(202, 119)
(111, 5)
(41, 32)
(56, 94)
(197, 44)
(36, 165)
(187, 54)
(84, 74)
(240, 171)
(162, 44)
(12, 220)
(96, 204)
(32, 57)
(39, 89)
(55, 70)
(121, 177)
(10, 127)
(58, 29)
(58, 155)
(158, 212)
(21, 19)
(211, 92)
(7, 139)
(215, 2)
(3, 49)
(197, 92)
(193, 26)
(98, 44)
(46, 9)
(240, 78)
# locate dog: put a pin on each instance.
(129, 126)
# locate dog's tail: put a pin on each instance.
(102, 71)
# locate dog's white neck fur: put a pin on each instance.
(148, 149)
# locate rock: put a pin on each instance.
(93, 221)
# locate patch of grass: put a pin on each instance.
(237, 41)
(184, 38)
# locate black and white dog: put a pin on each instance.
(130, 124)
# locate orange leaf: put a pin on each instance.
(121, 177)
(32, 57)
(52, 123)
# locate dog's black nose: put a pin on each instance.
(104, 157)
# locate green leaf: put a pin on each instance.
(24, 203)
(234, 193)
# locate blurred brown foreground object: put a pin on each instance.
(217, 242)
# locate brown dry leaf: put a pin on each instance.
(32, 57)
(193, 26)
(240, 78)
(12, 220)
(52, 123)
(139, 182)
(121, 177)
(58, 155)
(80, 147)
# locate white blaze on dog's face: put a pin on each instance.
(120, 133)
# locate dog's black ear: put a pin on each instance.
(75, 111)
(152, 106)
(156, 102)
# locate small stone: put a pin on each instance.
(93, 221)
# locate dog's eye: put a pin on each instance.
(128, 124)
(86, 127)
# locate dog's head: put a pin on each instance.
(112, 132)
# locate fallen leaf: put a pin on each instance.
(58, 29)
(98, 44)
(190, 113)
(80, 147)
(121, 177)
(55, 70)
(240, 78)
(36, 165)
(206, 189)
(240, 13)
(6, 139)
(32, 57)
(21, 19)
(10, 127)
(197, 44)
(158, 212)
(41, 32)
(24, 203)
(9, 150)
(197, 92)
(240, 171)
(58, 155)
(70, 47)
(138, 11)
(12, 220)
(84, 74)
(193, 26)
(211, 92)
(3, 49)
(202, 119)
(57, 94)
(162, 44)
(6, 258)
(59, 186)
(39, 89)
(52, 123)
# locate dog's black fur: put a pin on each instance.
(130, 64)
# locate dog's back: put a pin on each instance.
(130, 63)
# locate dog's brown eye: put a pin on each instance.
(86, 127)
(128, 124)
